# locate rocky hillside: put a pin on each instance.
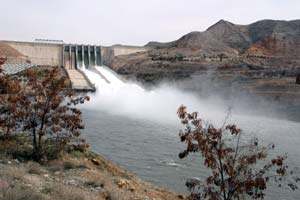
(75, 176)
(11, 54)
(266, 43)
(266, 37)
(8, 51)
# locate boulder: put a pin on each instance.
(123, 183)
(95, 161)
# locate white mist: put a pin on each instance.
(129, 99)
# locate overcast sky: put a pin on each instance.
(135, 22)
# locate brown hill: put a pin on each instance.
(7, 51)
(279, 38)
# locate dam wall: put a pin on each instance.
(125, 50)
(42, 54)
(69, 56)
(108, 53)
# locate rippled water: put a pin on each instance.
(128, 127)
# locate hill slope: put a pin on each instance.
(8, 51)
(264, 43)
(267, 36)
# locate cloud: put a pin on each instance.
(130, 21)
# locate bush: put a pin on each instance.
(16, 147)
(43, 108)
(34, 168)
(236, 170)
(69, 165)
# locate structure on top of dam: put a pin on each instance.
(72, 57)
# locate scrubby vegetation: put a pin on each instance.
(41, 108)
(238, 169)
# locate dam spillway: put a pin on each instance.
(76, 56)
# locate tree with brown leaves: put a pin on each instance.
(237, 169)
(49, 111)
(10, 100)
(41, 106)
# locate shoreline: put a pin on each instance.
(76, 175)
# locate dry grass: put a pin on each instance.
(55, 165)
(20, 193)
(70, 193)
(117, 195)
(13, 172)
(34, 168)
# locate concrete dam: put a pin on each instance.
(72, 57)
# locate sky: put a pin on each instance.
(132, 22)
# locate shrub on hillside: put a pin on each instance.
(10, 102)
(50, 114)
(237, 169)
(42, 107)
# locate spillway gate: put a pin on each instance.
(76, 56)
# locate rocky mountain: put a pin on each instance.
(266, 43)
(279, 38)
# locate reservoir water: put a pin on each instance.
(138, 130)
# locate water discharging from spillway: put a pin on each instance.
(128, 99)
